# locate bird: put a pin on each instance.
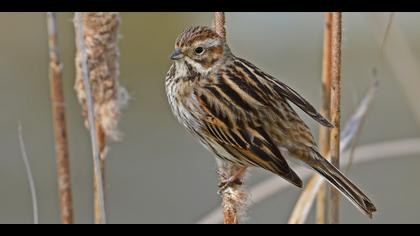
(244, 116)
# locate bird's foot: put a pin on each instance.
(226, 183)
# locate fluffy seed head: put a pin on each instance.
(101, 42)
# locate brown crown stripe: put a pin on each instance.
(195, 33)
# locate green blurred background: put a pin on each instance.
(158, 173)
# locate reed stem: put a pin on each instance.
(335, 110)
(233, 197)
(324, 132)
(59, 123)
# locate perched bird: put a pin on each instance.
(243, 115)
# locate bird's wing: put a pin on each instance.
(228, 120)
(280, 89)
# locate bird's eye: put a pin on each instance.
(199, 50)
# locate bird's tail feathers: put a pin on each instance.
(344, 185)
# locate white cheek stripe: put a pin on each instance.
(197, 66)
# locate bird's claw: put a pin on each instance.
(224, 184)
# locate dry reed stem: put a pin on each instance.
(324, 132)
(101, 41)
(29, 175)
(358, 120)
(100, 136)
(233, 197)
(220, 23)
(101, 34)
(59, 123)
(85, 95)
(350, 133)
(304, 203)
(335, 110)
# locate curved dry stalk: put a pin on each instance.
(387, 30)
(324, 132)
(28, 174)
(335, 111)
(78, 21)
(398, 53)
(350, 132)
(233, 197)
(374, 74)
(59, 123)
(368, 153)
(358, 120)
(302, 209)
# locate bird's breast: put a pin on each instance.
(184, 103)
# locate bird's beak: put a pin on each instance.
(177, 54)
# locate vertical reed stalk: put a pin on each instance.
(100, 136)
(233, 197)
(220, 24)
(324, 132)
(335, 109)
(59, 123)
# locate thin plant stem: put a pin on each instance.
(101, 137)
(324, 132)
(374, 75)
(400, 56)
(91, 116)
(385, 38)
(29, 174)
(233, 198)
(335, 111)
(59, 123)
(220, 23)
(360, 118)
(302, 208)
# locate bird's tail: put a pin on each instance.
(344, 185)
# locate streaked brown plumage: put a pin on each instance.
(243, 115)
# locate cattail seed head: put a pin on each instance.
(109, 97)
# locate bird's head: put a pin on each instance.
(199, 47)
